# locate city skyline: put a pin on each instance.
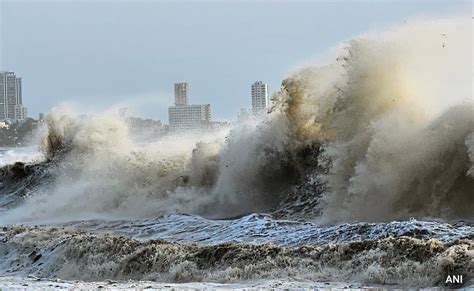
(192, 115)
(130, 57)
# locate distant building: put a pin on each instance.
(181, 94)
(259, 97)
(217, 125)
(41, 117)
(20, 113)
(189, 117)
(183, 116)
(142, 130)
(244, 114)
(11, 99)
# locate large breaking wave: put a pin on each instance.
(384, 132)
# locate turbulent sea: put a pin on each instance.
(360, 175)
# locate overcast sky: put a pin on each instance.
(100, 54)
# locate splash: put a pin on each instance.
(396, 119)
(384, 132)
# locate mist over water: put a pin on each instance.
(386, 129)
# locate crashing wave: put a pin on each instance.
(385, 132)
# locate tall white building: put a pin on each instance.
(181, 93)
(189, 117)
(259, 97)
(11, 99)
(183, 116)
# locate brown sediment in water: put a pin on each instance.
(75, 255)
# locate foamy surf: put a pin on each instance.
(53, 252)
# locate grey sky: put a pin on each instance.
(102, 53)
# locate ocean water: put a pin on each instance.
(20, 154)
(360, 176)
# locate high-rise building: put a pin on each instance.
(20, 113)
(183, 116)
(259, 97)
(190, 117)
(11, 99)
(181, 93)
